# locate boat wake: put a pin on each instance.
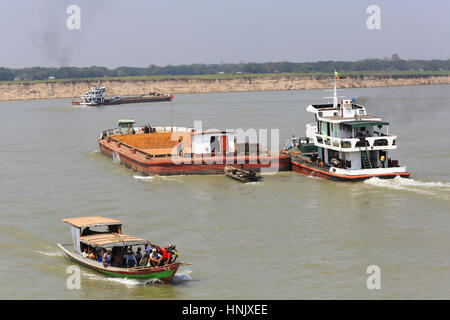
(179, 278)
(50, 254)
(166, 178)
(398, 183)
(144, 178)
(182, 276)
(125, 281)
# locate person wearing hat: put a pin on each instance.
(382, 159)
(155, 258)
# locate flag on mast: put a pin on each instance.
(337, 75)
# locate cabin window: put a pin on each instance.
(362, 143)
(346, 144)
(319, 139)
(380, 142)
(335, 143)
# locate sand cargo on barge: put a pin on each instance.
(182, 150)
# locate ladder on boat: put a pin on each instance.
(365, 158)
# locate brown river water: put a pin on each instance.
(288, 237)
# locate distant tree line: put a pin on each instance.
(393, 64)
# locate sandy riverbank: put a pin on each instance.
(75, 88)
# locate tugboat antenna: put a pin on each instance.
(335, 96)
(335, 99)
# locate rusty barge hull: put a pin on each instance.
(196, 165)
(125, 100)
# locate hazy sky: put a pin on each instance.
(142, 32)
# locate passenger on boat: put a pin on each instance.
(107, 258)
(155, 258)
(130, 259)
(85, 253)
(144, 260)
(117, 261)
(138, 255)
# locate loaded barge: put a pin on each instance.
(345, 144)
(182, 150)
(97, 97)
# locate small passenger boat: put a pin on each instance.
(241, 174)
(97, 235)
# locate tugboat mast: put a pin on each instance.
(335, 99)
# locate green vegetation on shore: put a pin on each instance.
(388, 74)
(392, 67)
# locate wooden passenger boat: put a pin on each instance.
(111, 238)
(241, 174)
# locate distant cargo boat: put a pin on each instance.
(181, 150)
(93, 237)
(345, 144)
(97, 97)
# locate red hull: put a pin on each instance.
(312, 170)
(205, 165)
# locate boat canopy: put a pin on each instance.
(109, 240)
(125, 122)
(359, 124)
(91, 221)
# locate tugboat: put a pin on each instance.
(94, 97)
(97, 97)
(345, 144)
(92, 237)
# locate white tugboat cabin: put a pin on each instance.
(94, 97)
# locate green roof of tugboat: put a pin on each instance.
(359, 124)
